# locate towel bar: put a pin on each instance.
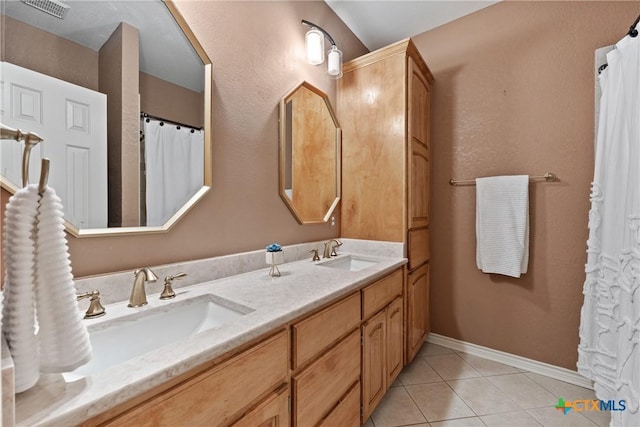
(547, 177)
(30, 140)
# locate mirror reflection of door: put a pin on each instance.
(73, 118)
(310, 154)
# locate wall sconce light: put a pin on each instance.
(314, 44)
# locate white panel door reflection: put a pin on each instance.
(72, 121)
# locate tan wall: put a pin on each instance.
(514, 94)
(46, 53)
(169, 101)
(119, 65)
(257, 49)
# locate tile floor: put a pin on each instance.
(443, 387)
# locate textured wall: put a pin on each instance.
(513, 94)
(257, 49)
(37, 50)
(185, 105)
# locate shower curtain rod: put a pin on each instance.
(631, 33)
(632, 29)
(150, 116)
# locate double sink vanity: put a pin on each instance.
(318, 345)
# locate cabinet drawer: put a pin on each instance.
(419, 252)
(347, 413)
(272, 412)
(378, 295)
(315, 333)
(319, 388)
(198, 401)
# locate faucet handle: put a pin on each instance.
(96, 309)
(334, 247)
(168, 292)
(316, 257)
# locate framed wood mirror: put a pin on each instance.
(310, 141)
(132, 82)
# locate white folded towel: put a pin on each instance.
(18, 310)
(39, 285)
(502, 224)
(63, 337)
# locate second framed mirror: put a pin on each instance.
(310, 141)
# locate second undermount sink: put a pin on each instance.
(126, 337)
(350, 262)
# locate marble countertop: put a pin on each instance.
(302, 287)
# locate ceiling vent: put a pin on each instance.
(52, 7)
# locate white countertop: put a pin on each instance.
(302, 287)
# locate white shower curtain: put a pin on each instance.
(174, 168)
(609, 350)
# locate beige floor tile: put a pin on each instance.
(487, 367)
(482, 396)
(524, 391)
(438, 402)
(397, 409)
(397, 383)
(552, 417)
(460, 422)
(451, 367)
(510, 419)
(481, 387)
(429, 349)
(561, 389)
(418, 372)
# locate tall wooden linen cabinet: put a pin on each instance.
(384, 109)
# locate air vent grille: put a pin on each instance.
(52, 7)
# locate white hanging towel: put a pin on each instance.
(41, 319)
(502, 224)
(18, 311)
(63, 338)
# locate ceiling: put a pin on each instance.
(378, 23)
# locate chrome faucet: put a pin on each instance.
(138, 296)
(329, 249)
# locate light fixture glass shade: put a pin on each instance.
(334, 62)
(314, 43)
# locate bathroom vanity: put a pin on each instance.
(319, 345)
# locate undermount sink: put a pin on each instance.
(129, 336)
(350, 262)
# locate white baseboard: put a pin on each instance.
(555, 372)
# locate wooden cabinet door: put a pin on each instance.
(372, 107)
(417, 310)
(419, 168)
(374, 363)
(395, 339)
(272, 412)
